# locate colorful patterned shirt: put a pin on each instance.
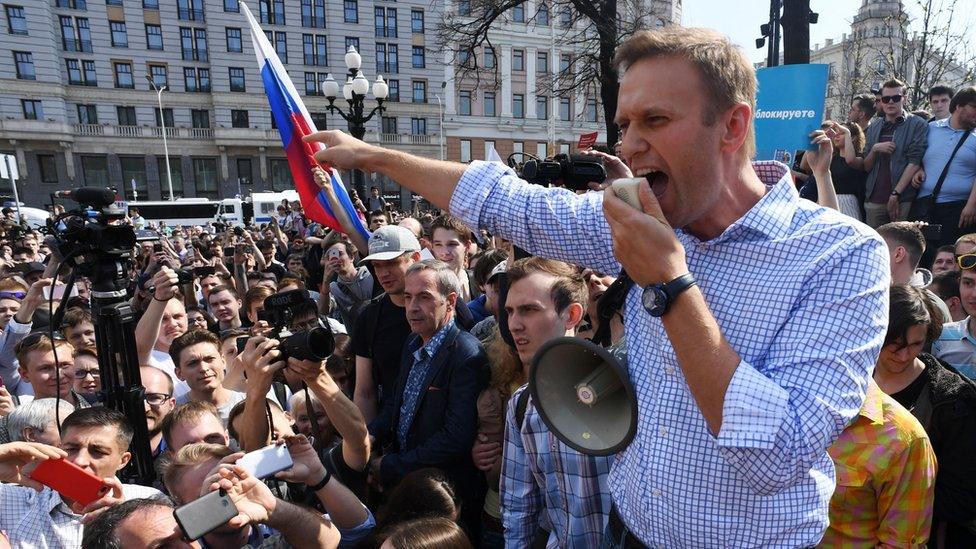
(885, 479)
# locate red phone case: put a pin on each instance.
(70, 481)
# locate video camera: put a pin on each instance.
(280, 311)
(575, 172)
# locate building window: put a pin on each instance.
(190, 10)
(313, 14)
(542, 107)
(32, 109)
(416, 21)
(158, 75)
(190, 80)
(518, 147)
(280, 42)
(465, 150)
(518, 60)
(234, 39)
(280, 174)
(388, 125)
(565, 17)
(175, 176)
(542, 15)
(72, 4)
(489, 103)
(387, 58)
(350, 11)
(419, 91)
(237, 79)
(87, 114)
(24, 61)
(88, 67)
(564, 112)
(194, 44)
(134, 171)
(419, 61)
(352, 41)
(200, 118)
(464, 103)
(232, 6)
(464, 7)
(119, 37)
(154, 37)
(312, 84)
(591, 110)
(244, 171)
(239, 119)
(95, 170)
(320, 119)
(489, 146)
(385, 22)
(314, 50)
(205, 177)
(394, 86)
(83, 74)
(489, 58)
(48, 168)
(148, 4)
(167, 119)
(541, 150)
(126, 116)
(123, 75)
(518, 105)
(74, 72)
(16, 22)
(418, 126)
(565, 62)
(464, 58)
(518, 13)
(542, 62)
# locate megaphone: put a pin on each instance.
(584, 395)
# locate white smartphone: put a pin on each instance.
(626, 189)
(59, 291)
(267, 461)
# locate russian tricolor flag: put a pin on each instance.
(294, 123)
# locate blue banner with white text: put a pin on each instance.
(789, 105)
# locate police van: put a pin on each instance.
(193, 211)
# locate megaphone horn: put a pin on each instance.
(584, 395)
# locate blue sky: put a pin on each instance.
(740, 20)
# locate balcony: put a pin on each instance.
(405, 139)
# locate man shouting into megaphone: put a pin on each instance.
(756, 318)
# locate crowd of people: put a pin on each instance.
(801, 379)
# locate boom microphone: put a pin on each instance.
(91, 196)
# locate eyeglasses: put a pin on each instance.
(891, 98)
(13, 295)
(157, 399)
(82, 374)
(966, 261)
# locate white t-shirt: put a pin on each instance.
(161, 360)
(224, 410)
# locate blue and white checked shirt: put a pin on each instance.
(416, 377)
(540, 474)
(799, 291)
(957, 347)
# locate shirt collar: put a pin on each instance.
(772, 216)
(430, 348)
(873, 408)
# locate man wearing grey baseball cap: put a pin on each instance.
(382, 328)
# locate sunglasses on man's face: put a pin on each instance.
(891, 98)
(966, 261)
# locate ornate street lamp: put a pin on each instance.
(354, 91)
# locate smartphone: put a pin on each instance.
(205, 514)
(157, 247)
(932, 232)
(228, 251)
(267, 461)
(58, 291)
(202, 272)
(335, 254)
(241, 343)
(70, 481)
(238, 231)
(626, 189)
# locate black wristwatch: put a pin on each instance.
(896, 192)
(658, 297)
(321, 484)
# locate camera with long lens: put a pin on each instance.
(574, 171)
(281, 311)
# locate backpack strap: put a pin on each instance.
(521, 403)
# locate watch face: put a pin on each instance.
(655, 300)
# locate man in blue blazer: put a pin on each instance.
(432, 419)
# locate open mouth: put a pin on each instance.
(658, 181)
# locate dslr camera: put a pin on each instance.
(280, 311)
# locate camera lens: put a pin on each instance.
(314, 344)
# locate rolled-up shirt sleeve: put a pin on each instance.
(781, 413)
(11, 336)
(548, 222)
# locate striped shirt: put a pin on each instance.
(885, 479)
(543, 476)
(799, 291)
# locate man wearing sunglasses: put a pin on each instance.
(957, 342)
(894, 147)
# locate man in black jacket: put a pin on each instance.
(943, 401)
(432, 419)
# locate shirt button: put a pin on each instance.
(669, 370)
(656, 493)
(663, 431)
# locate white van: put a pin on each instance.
(191, 211)
(266, 204)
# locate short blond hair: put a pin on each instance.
(189, 456)
(727, 76)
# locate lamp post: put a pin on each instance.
(354, 91)
(162, 122)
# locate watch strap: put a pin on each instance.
(321, 484)
(678, 285)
